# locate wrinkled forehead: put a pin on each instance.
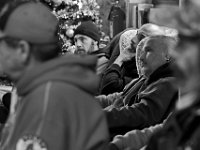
(81, 36)
(156, 44)
(150, 42)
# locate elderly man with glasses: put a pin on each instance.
(56, 109)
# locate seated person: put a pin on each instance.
(119, 71)
(86, 38)
(182, 130)
(123, 43)
(149, 99)
(135, 139)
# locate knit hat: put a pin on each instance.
(89, 29)
(30, 21)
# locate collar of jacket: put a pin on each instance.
(99, 53)
(162, 72)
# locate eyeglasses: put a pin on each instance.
(16, 40)
(6, 38)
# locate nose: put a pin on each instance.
(142, 56)
(78, 44)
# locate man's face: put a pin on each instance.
(152, 56)
(9, 59)
(84, 44)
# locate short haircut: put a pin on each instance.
(168, 42)
(150, 29)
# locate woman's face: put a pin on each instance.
(152, 55)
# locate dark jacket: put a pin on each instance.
(115, 78)
(146, 102)
(57, 109)
(181, 131)
(102, 62)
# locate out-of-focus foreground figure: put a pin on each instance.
(56, 109)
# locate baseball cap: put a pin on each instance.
(28, 20)
(185, 19)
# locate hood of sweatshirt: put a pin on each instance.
(76, 70)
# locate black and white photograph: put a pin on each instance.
(99, 74)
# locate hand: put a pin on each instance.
(114, 96)
(124, 56)
(118, 102)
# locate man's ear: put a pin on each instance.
(95, 45)
(24, 51)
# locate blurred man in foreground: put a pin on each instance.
(149, 99)
(56, 109)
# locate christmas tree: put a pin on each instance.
(70, 14)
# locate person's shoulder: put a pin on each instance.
(51, 91)
(61, 96)
(168, 83)
(70, 94)
(165, 80)
(66, 88)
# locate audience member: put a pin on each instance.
(182, 130)
(123, 67)
(149, 99)
(87, 38)
(135, 139)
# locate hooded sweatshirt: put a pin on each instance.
(57, 110)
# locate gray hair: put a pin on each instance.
(169, 46)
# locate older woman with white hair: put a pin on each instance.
(149, 99)
(122, 66)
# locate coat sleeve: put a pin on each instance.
(152, 107)
(101, 65)
(108, 100)
(136, 139)
(112, 80)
